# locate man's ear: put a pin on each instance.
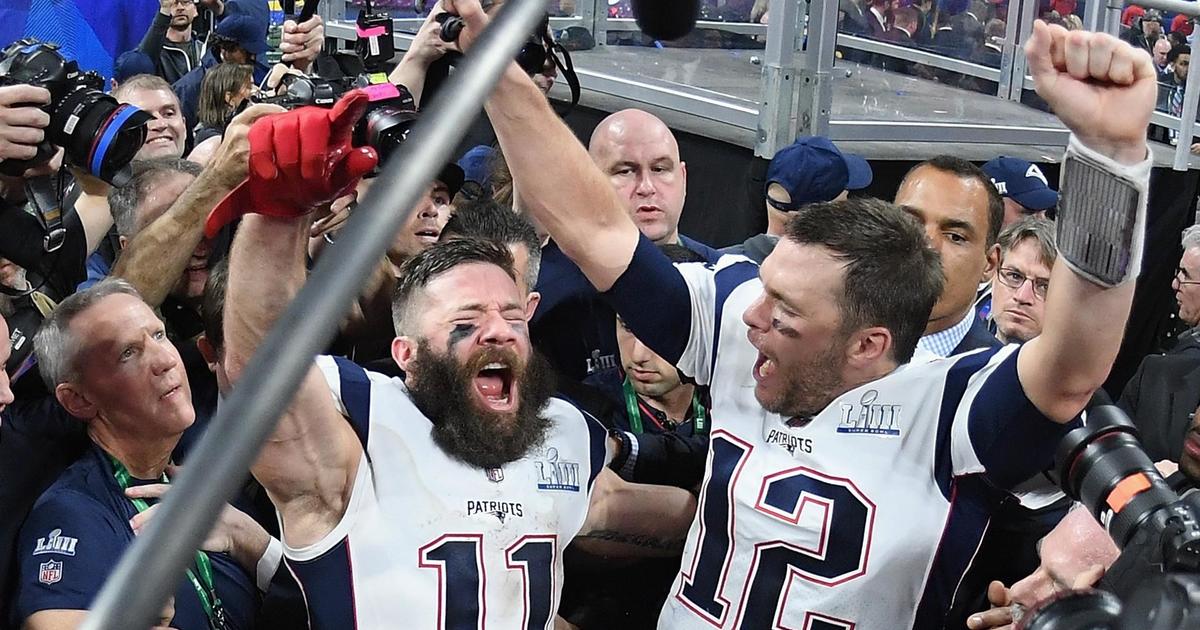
(75, 401)
(404, 349)
(993, 262)
(868, 345)
(123, 242)
(531, 304)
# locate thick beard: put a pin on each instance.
(810, 387)
(441, 388)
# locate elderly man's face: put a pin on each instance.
(1187, 286)
(1161, 48)
(128, 370)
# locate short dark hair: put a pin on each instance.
(892, 277)
(1176, 50)
(123, 201)
(212, 307)
(966, 170)
(486, 218)
(420, 270)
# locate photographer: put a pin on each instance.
(22, 127)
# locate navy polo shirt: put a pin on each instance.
(76, 533)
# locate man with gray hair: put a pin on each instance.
(106, 356)
(1027, 254)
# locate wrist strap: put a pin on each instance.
(1101, 226)
(268, 564)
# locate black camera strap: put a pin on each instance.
(45, 195)
(566, 67)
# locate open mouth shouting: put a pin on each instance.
(495, 386)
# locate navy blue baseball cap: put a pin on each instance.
(132, 63)
(1022, 181)
(476, 165)
(812, 169)
(248, 29)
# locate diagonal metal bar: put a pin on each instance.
(149, 571)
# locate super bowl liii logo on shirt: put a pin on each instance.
(555, 474)
(870, 418)
(55, 542)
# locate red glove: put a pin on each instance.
(299, 160)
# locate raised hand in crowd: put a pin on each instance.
(158, 254)
(427, 47)
(1102, 90)
(292, 173)
(301, 43)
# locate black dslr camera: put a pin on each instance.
(1155, 583)
(99, 134)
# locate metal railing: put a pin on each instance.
(150, 570)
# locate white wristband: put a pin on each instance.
(268, 564)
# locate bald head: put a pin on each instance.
(641, 158)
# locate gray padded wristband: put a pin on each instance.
(1101, 215)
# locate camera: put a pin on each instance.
(1155, 582)
(98, 134)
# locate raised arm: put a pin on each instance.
(1103, 90)
(427, 47)
(308, 465)
(152, 41)
(160, 252)
(560, 185)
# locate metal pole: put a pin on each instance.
(1112, 17)
(778, 79)
(1008, 58)
(599, 22)
(1091, 15)
(816, 77)
(1187, 119)
(149, 571)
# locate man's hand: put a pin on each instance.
(1102, 88)
(234, 533)
(229, 164)
(22, 124)
(427, 45)
(299, 160)
(166, 7)
(474, 20)
(1000, 615)
(301, 43)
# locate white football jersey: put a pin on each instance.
(428, 542)
(866, 517)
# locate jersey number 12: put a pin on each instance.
(839, 556)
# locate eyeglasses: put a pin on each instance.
(1014, 280)
(1180, 274)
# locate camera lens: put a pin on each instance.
(98, 133)
(387, 128)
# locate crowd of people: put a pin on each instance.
(548, 407)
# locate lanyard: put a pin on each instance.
(203, 583)
(635, 415)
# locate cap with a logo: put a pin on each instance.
(248, 29)
(812, 169)
(1023, 181)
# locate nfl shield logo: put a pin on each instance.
(50, 572)
(495, 475)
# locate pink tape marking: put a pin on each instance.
(374, 31)
(381, 91)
